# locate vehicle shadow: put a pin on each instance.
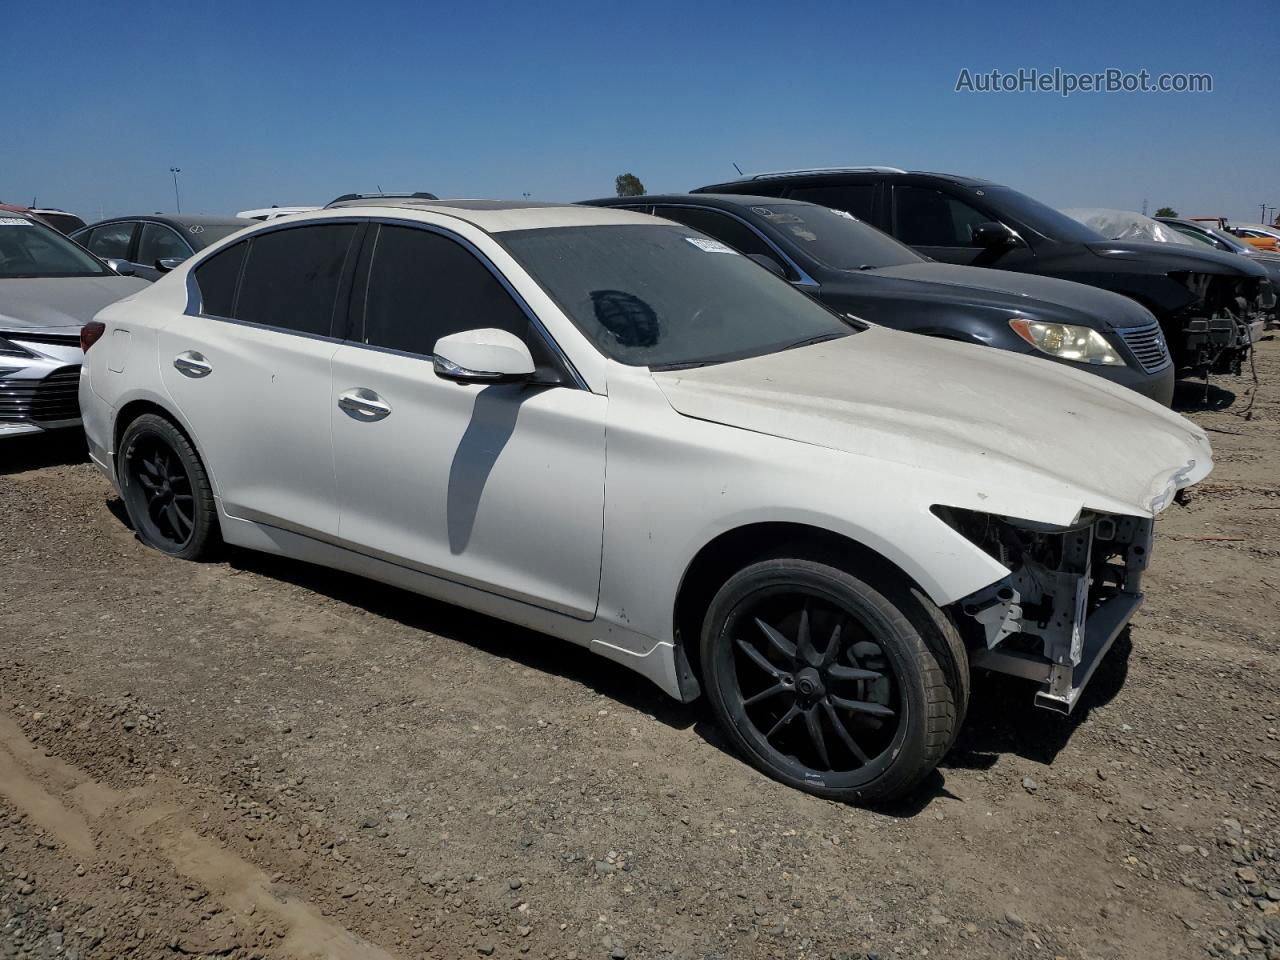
(32, 452)
(1003, 719)
(537, 651)
(1196, 395)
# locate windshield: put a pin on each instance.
(30, 249)
(665, 296)
(835, 238)
(211, 233)
(1043, 219)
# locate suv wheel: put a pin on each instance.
(830, 685)
(166, 490)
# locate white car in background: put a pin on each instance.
(618, 431)
(49, 288)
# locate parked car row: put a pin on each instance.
(1210, 305)
(692, 443)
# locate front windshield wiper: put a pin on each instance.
(821, 338)
(686, 364)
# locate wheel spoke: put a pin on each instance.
(175, 521)
(843, 732)
(862, 706)
(152, 468)
(814, 724)
(147, 482)
(804, 638)
(780, 643)
(759, 659)
(765, 694)
(792, 712)
(833, 648)
(852, 673)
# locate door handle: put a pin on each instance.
(361, 403)
(192, 364)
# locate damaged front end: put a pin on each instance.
(1069, 594)
(1228, 315)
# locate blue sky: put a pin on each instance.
(267, 102)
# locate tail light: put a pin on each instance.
(91, 333)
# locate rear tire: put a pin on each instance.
(166, 490)
(831, 685)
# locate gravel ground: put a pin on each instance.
(256, 758)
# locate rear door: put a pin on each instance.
(497, 486)
(249, 369)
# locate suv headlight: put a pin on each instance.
(1067, 341)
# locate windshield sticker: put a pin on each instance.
(710, 246)
(844, 213)
(195, 228)
(804, 234)
(14, 222)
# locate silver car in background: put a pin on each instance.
(49, 288)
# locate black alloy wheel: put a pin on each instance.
(825, 684)
(165, 489)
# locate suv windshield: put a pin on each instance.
(833, 237)
(30, 249)
(1040, 217)
(665, 296)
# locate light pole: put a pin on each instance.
(176, 198)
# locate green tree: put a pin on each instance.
(1166, 212)
(629, 185)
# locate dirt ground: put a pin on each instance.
(256, 758)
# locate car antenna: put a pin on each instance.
(738, 168)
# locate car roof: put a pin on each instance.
(819, 173)
(492, 216)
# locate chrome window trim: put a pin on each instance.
(195, 302)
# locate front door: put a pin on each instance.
(499, 487)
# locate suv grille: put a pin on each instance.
(56, 397)
(1147, 344)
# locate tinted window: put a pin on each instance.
(111, 240)
(158, 242)
(217, 278)
(424, 286)
(925, 217)
(291, 277)
(665, 296)
(31, 249)
(719, 225)
(856, 198)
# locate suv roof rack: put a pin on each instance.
(803, 170)
(348, 197)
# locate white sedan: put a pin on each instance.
(620, 432)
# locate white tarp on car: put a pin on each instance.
(1126, 225)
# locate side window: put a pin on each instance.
(291, 277)
(218, 278)
(854, 198)
(158, 242)
(423, 286)
(111, 240)
(719, 225)
(924, 217)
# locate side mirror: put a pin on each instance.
(122, 267)
(483, 356)
(770, 264)
(165, 264)
(993, 236)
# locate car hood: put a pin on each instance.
(1176, 257)
(48, 302)
(1024, 437)
(1022, 291)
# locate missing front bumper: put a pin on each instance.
(1068, 596)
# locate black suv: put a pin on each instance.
(855, 269)
(1212, 306)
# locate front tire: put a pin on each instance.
(829, 684)
(166, 490)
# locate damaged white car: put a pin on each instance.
(620, 432)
